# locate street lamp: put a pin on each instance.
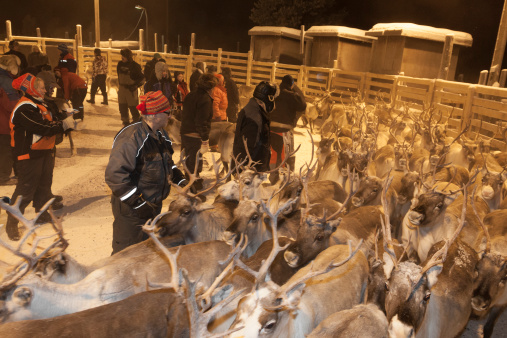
(146, 14)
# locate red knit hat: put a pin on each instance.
(153, 103)
(26, 83)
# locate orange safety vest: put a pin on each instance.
(38, 142)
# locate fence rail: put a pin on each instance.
(457, 103)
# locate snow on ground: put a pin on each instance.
(80, 180)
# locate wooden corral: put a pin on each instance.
(340, 47)
(277, 44)
(414, 50)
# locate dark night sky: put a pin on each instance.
(223, 23)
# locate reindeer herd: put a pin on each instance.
(392, 228)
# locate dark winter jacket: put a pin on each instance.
(197, 114)
(6, 84)
(196, 75)
(253, 125)
(232, 93)
(130, 74)
(22, 58)
(67, 61)
(287, 106)
(33, 128)
(149, 68)
(140, 165)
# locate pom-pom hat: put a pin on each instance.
(153, 103)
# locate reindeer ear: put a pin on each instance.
(294, 295)
(432, 275)
(388, 265)
(22, 296)
(333, 225)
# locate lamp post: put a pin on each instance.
(97, 24)
(146, 14)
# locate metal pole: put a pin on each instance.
(97, 23)
(496, 63)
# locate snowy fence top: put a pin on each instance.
(282, 31)
(342, 32)
(420, 32)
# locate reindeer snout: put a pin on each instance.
(487, 192)
(291, 258)
(229, 237)
(415, 218)
(357, 202)
(480, 304)
(344, 172)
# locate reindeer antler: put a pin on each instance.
(484, 228)
(30, 259)
(386, 222)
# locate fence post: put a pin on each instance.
(109, 60)
(79, 35)
(483, 77)
(467, 108)
(431, 92)
(219, 61)
(190, 57)
(165, 48)
(156, 42)
(249, 68)
(503, 78)
(445, 62)
(38, 35)
(141, 39)
(273, 72)
(394, 90)
(8, 29)
(110, 43)
(329, 80)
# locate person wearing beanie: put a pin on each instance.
(196, 123)
(139, 169)
(130, 78)
(160, 80)
(14, 50)
(219, 100)
(232, 95)
(180, 91)
(9, 68)
(196, 75)
(74, 89)
(149, 68)
(99, 76)
(33, 130)
(289, 106)
(66, 59)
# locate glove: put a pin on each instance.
(143, 208)
(132, 88)
(69, 123)
(178, 177)
(204, 147)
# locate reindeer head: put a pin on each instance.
(369, 190)
(181, 218)
(427, 207)
(248, 220)
(492, 184)
(490, 281)
(409, 183)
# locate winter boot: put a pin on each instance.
(124, 113)
(104, 100)
(12, 229)
(45, 217)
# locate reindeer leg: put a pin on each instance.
(72, 150)
(492, 318)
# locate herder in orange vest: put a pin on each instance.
(33, 130)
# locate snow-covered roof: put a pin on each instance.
(274, 30)
(419, 31)
(340, 31)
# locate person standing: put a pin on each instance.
(290, 105)
(253, 125)
(196, 123)
(232, 95)
(37, 59)
(99, 75)
(161, 80)
(196, 75)
(74, 89)
(149, 68)
(130, 78)
(9, 68)
(180, 91)
(139, 167)
(33, 130)
(67, 60)
(14, 50)
(219, 100)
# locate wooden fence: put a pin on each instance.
(459, 103)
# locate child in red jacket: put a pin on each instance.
(74, 88)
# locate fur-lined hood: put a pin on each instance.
(10, 63)
(160, 67)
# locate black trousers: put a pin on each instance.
(35, 177)
(6, 157)
(283, 148)
(127, 225)
(99, 82)
(191, 146)
(77, 98)
(124, 113)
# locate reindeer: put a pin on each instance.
(490, 291)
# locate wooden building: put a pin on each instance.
(350, 47)
(277, 44)
(414, 50)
